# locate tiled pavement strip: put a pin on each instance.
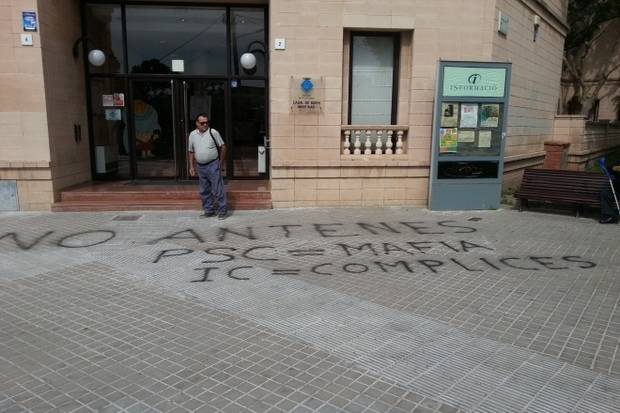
(104, 328)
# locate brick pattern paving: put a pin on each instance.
(464, 334)
(86, 339)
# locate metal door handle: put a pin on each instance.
(174, 131)
(185, 112)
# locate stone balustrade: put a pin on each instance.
(368, 140)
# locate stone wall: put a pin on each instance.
(535, 83)
(308, 168)
(43, 96)
(65, 92)
(588, 140)
(25, 159)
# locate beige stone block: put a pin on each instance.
(395, 202)
(393, 173)
(372, 202)
(284, 65)
(331, 33)
(327, 183)
(330, 68)
(282, 196)
(307, 131)
(34, 206)
(281, 130)
(283, 184)
(402, 22)
(330, 20)
(330, 143)
(306, 119)
(350, 183)
(350, 194)
(279, 106)
(354, 20)
(394, 194)
(328, 194)
(417, 189)
(305, 142)
(305, 203)
(334, 119)
(305, 194)
(282, 142)
(281, 118)
(328, 172)
(283, 204)
(350, 203)
(331, 154)
(279, 93)
(333, 94)
(332, 106)
(306, 173)
(278, 154)
(351, 173)
(324, 204)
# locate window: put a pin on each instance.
(373, 78)
(104, 30)
(192, 36)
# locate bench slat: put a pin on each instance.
(568, 187)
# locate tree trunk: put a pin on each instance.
(587, 105)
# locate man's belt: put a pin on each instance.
(208, 163)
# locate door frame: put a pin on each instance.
(186, 125)
(133, 161)
(177, 79)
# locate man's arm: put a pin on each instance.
(221, 150)
(222, 156)
(192, 171)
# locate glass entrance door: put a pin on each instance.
(249, 151)
(155, 137)
(207, 97)
(170, 62)
(164, 113)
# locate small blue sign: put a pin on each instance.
(234, 83)
(307, 85)
(29, 21)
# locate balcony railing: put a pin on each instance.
(374, 139)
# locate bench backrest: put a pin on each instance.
(570, 183)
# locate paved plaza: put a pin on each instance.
(309, 310)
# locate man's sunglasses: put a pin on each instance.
(203, 123)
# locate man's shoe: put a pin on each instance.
(608, 220)
(222, 215)
(207, 215)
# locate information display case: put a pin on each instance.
(469, 130)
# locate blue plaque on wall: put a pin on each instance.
(29, 21)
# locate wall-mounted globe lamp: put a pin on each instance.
(96, 57)
(248, 61)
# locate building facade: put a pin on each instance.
(602, 60)
(291, 84)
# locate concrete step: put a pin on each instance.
(151, 205)
(119, 196)
(88, 196)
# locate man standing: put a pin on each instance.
(207, 153)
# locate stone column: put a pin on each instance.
(556, 155)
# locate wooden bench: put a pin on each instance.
(575, 188)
